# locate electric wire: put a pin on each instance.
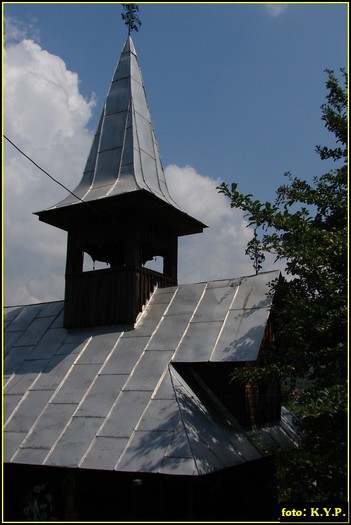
(55, 180)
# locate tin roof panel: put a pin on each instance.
(186, 299)
(50, 425)
(148, 320)
(35, 331)
(254, 293)
(76, 384)
(125, 414)
(112, 135)
(25, 315)
(123, 67)
(145, 451)
(11, 313)
(98, 348)
(12, 441)
(53, 373)
(10, 338)
(215, 304)
(15, 357)
(104, 452)
(148, 370)
(179, 446)
(118, 99)
(164, 389)
(125, 355)
(198, 342)
(31, 456)
(80, 397)
(49, 343)
(28, 410)
(10, 404)
(69, 450)
(241, 335)
(102, 395)
(176, 466)
(146, 143)
(50, 309)
(169, 333)
(25, 376)
(160, 414)
(139, 99)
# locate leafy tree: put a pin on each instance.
(306, 226)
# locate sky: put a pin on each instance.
(234, 91)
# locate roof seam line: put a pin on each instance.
(134, 430)
(122, 152)
(56, 392)
(87, 393)
(36, 379)
(191, 318)
(162, 316)
(182, 417)
(224, 321)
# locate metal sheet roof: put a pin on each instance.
(112, 398)
(124, 156)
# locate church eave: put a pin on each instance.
(136, 204)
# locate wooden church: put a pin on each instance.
(118, 400)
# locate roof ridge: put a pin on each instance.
(181, 414)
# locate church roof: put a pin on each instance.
(117, 398)
(124, 156)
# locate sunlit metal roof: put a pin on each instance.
(113, 398)
(124, 156)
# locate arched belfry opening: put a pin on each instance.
(121, 215)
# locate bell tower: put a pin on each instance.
(121, 212)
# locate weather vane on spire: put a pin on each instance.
(130, 17)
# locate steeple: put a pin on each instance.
(121, 212)
(124, 156)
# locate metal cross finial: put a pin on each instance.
(130, 17)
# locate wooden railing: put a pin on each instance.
(112, 296)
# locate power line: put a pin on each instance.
(55, 180)
(41, 169)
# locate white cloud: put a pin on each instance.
(275, 10)
(218, 252)
(46, 116)
(16, 31)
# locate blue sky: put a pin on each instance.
(234, 89)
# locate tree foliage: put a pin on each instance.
(306, 226)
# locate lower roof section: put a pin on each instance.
(114, 399)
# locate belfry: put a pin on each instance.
(121, 212)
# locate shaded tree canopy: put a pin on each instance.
(306, 226)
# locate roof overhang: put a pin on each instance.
(136, 204)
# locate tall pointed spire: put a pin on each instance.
(124, 159)
(124, 156)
